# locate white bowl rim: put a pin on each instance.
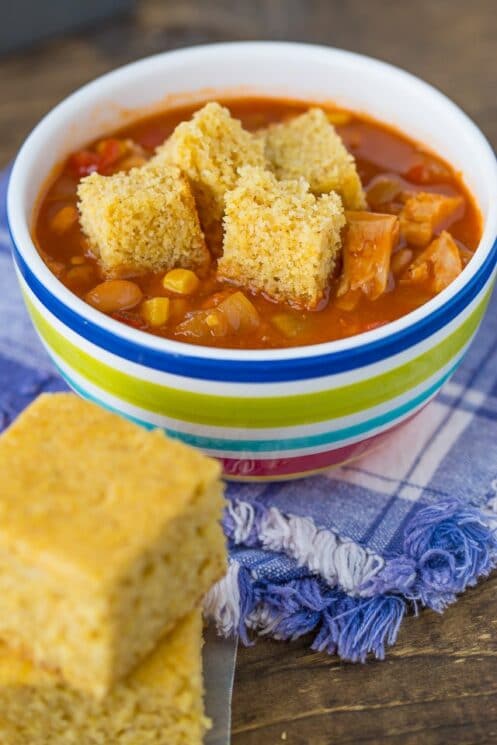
(20, 229)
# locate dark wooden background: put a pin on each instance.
(439, 684)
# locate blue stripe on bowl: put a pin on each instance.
(296, 443)
(254, 371)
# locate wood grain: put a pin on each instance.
(439, 684)
(450, 43)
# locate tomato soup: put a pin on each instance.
(393, 170)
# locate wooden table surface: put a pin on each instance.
(439, 684)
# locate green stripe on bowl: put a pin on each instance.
(224, 446)
(277, 411)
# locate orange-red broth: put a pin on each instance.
(378, 150)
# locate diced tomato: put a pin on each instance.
(212, 301)
(152, 138)
(83, 163)
(132, 321)
(417, 174)
(427, 171)
(109, 152)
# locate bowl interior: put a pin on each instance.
(298, 71)
(285, 69)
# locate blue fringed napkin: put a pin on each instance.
(347, 554)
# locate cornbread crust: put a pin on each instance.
(279, 238)
(309, 147)
(209, 149)
(159, 703)
(108, 535)
(143, 220)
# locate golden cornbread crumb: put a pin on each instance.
(159, 703)
(143, 220)
(108, 535)
(209, 149)
(279, 238)
(308, 146)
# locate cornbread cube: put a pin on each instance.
(140, 221)
(109, 534)
(160, 702)
(308, 146)
(279, 238)
(209, 149)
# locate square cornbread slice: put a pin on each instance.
(279, 238)
(108, 535)
(142, 221)
(209, 149)
(308, 146)
(159, 702)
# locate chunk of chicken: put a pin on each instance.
(424, 213)
(235, 314)
(437, 266)
(369, 240)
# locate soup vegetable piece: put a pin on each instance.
(256, 223)
(423, 213)
(437, 266)
(369, 241)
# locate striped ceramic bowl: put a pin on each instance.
(265, 414)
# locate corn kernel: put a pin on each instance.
(181, 281)
(113, 146)
(81, 275)
(132, 161)
(64, 219)
(217, 323)
(155, 311)
(339, 117)
(212, 320)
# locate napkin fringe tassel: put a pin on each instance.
(447, 547)
(341, 562)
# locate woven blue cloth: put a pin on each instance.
(343, 555)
